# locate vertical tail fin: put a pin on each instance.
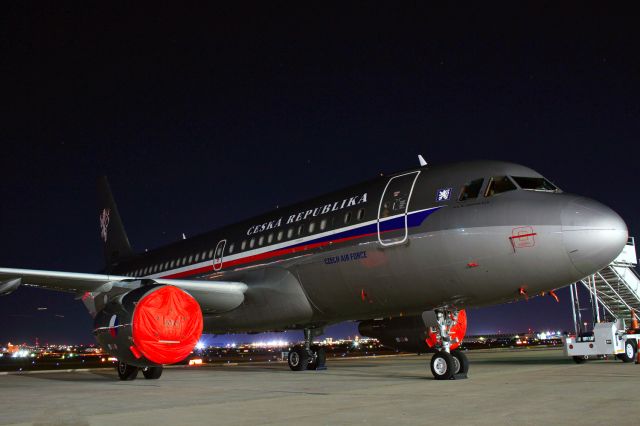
(114, 238)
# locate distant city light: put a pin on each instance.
(200, 345)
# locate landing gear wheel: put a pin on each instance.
(298, 359)
(319, 359)
(460, 362)
(442, 365)
(629, 354)
(579, 359)
(126, 371)
(152, 373)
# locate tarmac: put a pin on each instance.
(526, 386)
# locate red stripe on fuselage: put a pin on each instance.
(263, 256)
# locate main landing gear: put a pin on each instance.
(307, 356)
(448, 363)
(130, 372)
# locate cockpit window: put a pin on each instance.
(471, 189)
(535, 184)
(498, 185)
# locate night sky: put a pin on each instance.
(204, 117)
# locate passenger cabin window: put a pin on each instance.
(535, 184)
(261, 240)
(232, 246)
(270, 238)
(290, 233)
(252, 242)
(197, 257)
(219, 252)
(360, 214)
(210, 253)
(300, 228)
(347, 217)
(323, 224)
(243, 245)
(498, 185)
(312, 227)
(280, 235)
(471, 189)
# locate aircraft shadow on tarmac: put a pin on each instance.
(524, 361)
(85, 376)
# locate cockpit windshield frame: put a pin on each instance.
(535, 183)
(498, 185)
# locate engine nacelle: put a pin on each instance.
(151, 325)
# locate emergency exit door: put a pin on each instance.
(393, 209)
(219, 255)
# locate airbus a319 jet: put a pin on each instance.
(424, 243)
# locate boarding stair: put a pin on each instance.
(616, 288)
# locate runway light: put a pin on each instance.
(195, 361)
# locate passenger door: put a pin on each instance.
(393, 209)
(219, 255)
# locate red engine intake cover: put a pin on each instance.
(167, 324)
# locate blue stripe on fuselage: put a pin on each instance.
(413, 219)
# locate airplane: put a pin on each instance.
(425, 243)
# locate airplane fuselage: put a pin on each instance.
(459, 235)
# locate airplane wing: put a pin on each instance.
(213, 296)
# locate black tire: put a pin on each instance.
(319, 359)
(629, 354)
(298, 359)
(579, 359)
(442, 365)
(152, 373)
(460, 361)
(126, 371)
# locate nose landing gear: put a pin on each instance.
(448, 362)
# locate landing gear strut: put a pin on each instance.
(308, 356)
(447, 363)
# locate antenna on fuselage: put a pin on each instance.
(421, 160)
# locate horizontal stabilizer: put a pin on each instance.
(9, 286)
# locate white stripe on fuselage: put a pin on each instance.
(278, 246)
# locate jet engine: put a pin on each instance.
(151, 325)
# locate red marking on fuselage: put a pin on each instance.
(524, 235)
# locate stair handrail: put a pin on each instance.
(606, 306)
(612, 289)
(624, 282)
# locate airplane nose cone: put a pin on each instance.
(593, 234)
